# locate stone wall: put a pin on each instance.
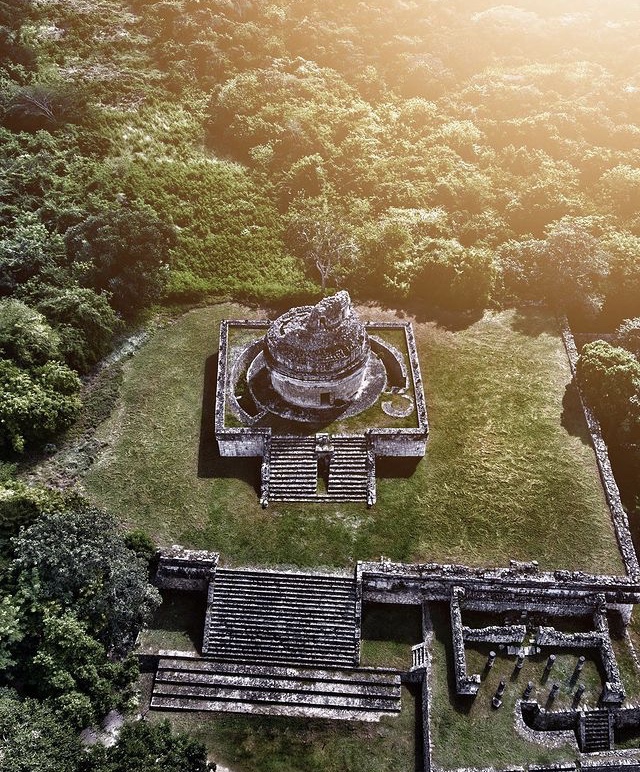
(183, 569)
(563, 592)
(397, 374)
(618, 515)
(310, 393)
(398, 442)
(511, 634)
(465, 684)
(234, 441)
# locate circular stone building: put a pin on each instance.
(317, 355)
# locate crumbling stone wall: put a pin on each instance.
(183, 569)
(618, 515)
(465, 684)
(234, 441)
(510, 634)
(561, 592)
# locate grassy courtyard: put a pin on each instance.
(470, 732)
(509, 472)
(279, 744)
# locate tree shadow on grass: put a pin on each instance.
(415, 690)
(534, 321)
(452, 321)
(392, 622)
(210, 463)
(182, 611)
(573, 419)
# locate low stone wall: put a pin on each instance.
(397, 374)
(232, 441)
(618, 515)
(563, 592)
(548, 721)
(511, 634)
(182, 569)
(465, 684)
(407, 443)
(242, 442)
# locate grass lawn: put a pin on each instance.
(509, 472)
(278, 744)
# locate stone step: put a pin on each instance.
(285, 582)
(249, 615)
(271, 656)
(597, 732)
(226, 639)
(297, 658)
(290, 659)
(238, 622)
(265, 616)
(290, 578)
(287, 604)
(290, 697)
(340, 647)
(203, 684)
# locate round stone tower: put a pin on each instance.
(317, 355)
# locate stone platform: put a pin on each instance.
(356, 694)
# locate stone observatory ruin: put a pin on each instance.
(319, 356)
(318, 394)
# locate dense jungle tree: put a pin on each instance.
(610, 378)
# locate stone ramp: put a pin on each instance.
(293, 468)
(278, 617)
(201, 684)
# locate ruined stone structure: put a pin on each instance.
(278, 641)
(317, 356)
(280, 393)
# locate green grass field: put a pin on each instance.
(279, 744)
(509, 472)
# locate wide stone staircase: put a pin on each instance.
(293, 468)
(273, 617)
(293, 461)
(598, 732)
(348, 469)
(200, 684)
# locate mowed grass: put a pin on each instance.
(509, 471)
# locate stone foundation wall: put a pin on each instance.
(182, 569)
(513, 634)
(393, 362)
(398, 442)
(309, 393)
(618, 515)
(571, 592)
(465, 684)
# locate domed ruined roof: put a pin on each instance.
(324, 341)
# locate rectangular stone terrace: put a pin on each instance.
(401, 406)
